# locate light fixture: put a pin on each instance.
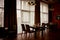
(31, 2)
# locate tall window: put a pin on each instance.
(25, 14)
(43, 12)
(1, 13)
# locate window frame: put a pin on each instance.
(42, 12)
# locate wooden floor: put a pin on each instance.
(47, 35)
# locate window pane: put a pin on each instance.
(32, 16)
(18, 4)
(25, 5)
(44, 18)
(19, 29)
(1, 17)
(1, 13)
(40, 7)
(45, 8)
(1, 3)
(41, 17)
(18, 13)
(32, 8)
(25, 17)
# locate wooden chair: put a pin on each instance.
(23, 28)
(28, 30)
(43, 25)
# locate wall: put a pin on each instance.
(55, 13)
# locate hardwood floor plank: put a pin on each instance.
(46, 36)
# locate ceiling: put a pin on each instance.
(47, 1)
(51, 1)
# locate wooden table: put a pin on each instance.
(38, 29)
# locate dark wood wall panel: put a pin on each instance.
(37, 12)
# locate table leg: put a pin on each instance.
(42, 33)
(35, 34)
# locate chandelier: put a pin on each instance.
(31, 2)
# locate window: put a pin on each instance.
(1, 13)
(25, 14)
(25, 17)
(27, 11)
(43, 12)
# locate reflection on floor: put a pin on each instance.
(46, 36)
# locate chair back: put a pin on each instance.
(43, 25)
(23, 27)
(27, 28)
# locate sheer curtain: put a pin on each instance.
(18, 9)
(43, 12)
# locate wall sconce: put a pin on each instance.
(58, 17)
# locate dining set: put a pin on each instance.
(26, 28)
